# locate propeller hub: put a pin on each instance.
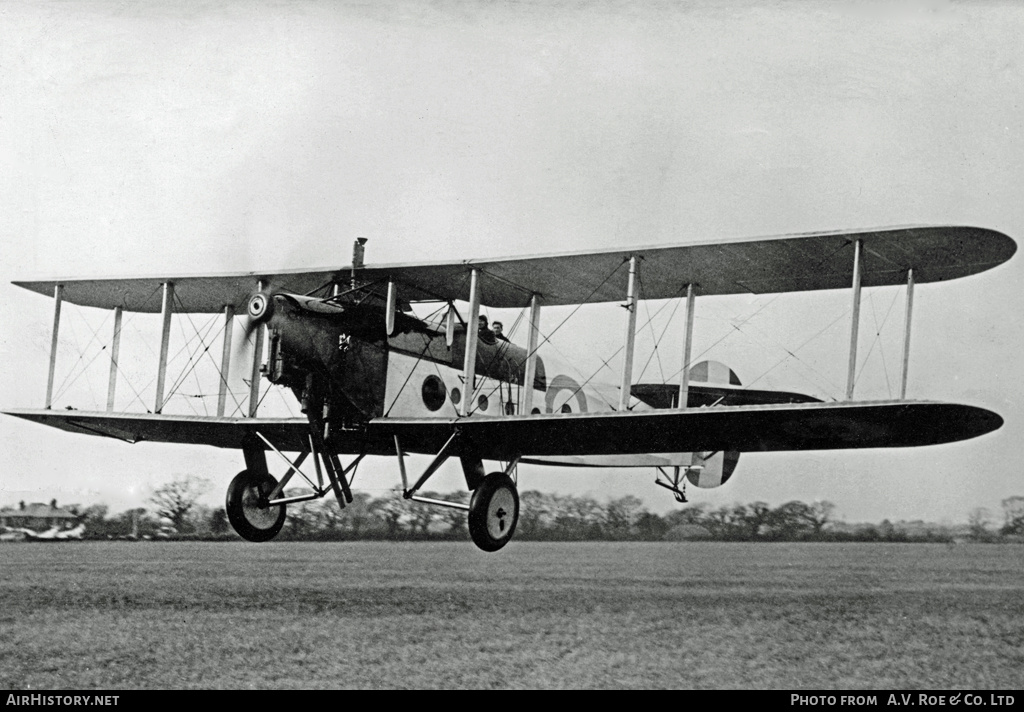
(258, 306)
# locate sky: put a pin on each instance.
(234, 136)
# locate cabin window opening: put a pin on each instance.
(456, 396)
(482, 403)
(433, 392)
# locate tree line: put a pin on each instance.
(175, 512)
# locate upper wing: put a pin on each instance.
(789, 263)
(794, 426)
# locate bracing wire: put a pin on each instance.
(878, 340)
(129, 319)
(426, 347)
(737, 327)
(137, 396)
(657, 339)
(605, 363)
(79, 367)
(194, 356)
(792, 354)
(547, 337)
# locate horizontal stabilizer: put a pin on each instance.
(663, 395)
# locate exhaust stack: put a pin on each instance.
(358, 251)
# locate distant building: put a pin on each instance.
(37, 516)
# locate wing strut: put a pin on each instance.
(257, 358)
(165, 341)
(532, 338)
(906, 333)
(115, 350)
(858, 253)
(627, 361)
(684, 378)
(58, 298)
(472, 336)
(225, 359)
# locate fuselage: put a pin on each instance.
(345, 370)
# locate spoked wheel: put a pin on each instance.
(247, 507)
(494, 512)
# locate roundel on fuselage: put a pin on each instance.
(555, 400)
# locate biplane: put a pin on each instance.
(374, 379)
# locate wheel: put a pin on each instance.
(247, 509)
(493, 512)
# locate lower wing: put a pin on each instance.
(757, 428)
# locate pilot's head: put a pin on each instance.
(483, 322)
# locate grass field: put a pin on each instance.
(694, 615)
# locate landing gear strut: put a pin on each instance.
(248, 507)
(255, 501)
(673, 481)
(494, 506)
(494, 512)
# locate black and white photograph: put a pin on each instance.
(513, 345)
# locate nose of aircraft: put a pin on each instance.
(259, 306)
(258, 311)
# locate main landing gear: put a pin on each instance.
(256, 506)
(494, 512)
(493, 509)
(255, 503)
(249, 509)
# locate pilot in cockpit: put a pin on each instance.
(497, 327)
(486, 335)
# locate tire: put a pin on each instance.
(252, 521)
(494, 512)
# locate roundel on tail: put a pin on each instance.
(712, 469)
(713, 372)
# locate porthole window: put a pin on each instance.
(456, 396)
(535, 411)
(482, 403)
(433, 392)
(566, 408)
